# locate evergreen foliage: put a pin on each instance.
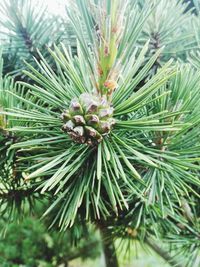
(170, 26)
(30, 244)
(27, 27)
(108, 133)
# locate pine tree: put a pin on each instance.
(110, 134)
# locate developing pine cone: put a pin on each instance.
(88, 119)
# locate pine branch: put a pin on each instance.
(81, 252)
(162, 253)
(27, 27)
(29, 42)
(16, 194)
(169, 31)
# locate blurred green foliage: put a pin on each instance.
(30, 244)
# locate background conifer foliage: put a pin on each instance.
(100, 118)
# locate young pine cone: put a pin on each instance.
(88, 119)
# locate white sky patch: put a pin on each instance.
(56, 7)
